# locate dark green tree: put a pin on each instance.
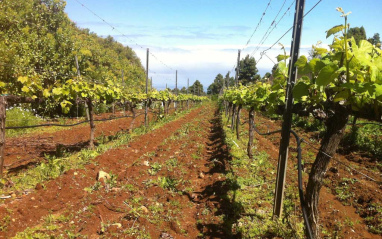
(230, 81)
(196, 88)
(375, 40)
(266, 77)
(216, 86)
(358, 33)
(248, 71)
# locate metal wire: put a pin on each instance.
(349, 167)
(70, 125)
(269, 48)
(124, 35)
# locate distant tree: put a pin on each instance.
(266, 77)
(183, 90)
(216, 86)
(229, 81)
(196, 88)
(358, 33)
(375, 40)
(248, 71)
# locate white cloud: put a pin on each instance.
(203, 62)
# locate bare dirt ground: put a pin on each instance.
(167, 183)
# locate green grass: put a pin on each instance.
(367, 138)
(252, 193)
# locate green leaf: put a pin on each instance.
(25, 89)
(57, 91)
(321, 51)
(301, 62)
(46, 93)
(282, 57)
(326, 75)
(300, 89)
(22, 79)
(378, 90)
(334, 30)
(342, 95)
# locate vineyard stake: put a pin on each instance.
(147, 79)
(237, 69)
(124, 103)
(176, 86)
(188, 86)
(3, 113)
(287, 117)
(92, 125)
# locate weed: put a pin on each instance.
(155, 168)
(167, 183)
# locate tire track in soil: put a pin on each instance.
(66, 192)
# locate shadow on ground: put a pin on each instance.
(217, 193)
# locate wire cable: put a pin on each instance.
(70, 125)
(124, 35)
(278, 40)
(338, 161)
(270, 26)
(258, 24)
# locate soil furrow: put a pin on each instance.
(66, 194)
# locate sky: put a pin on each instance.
(201, 38)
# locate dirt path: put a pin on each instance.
(167, 183)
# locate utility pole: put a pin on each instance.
(237, 69)
(227, 80)
(176, 87)
(124, 83)
(188, 86)
(287, 117)
(176, 82)
(147, 79)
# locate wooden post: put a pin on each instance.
(124, 102)
(147, 79)
(176, 88)
(237, 69)
(92, 126)
(238, 122)
(251, 132)
(287, 117)
(233, 117)
(3, 115)
(188, 86)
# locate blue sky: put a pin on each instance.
(200, 38)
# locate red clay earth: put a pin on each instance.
(168, 183)
(347, 216)
(21, 152)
